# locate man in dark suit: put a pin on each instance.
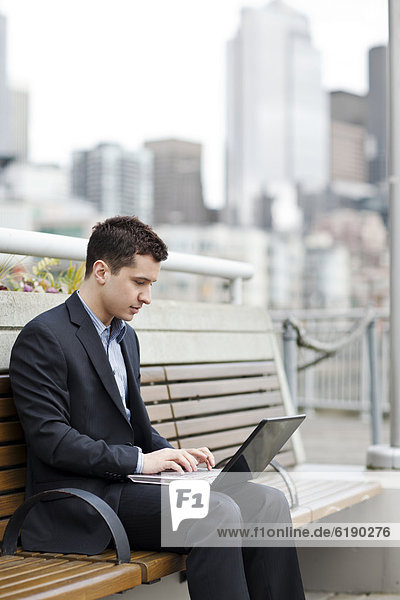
(75, 373)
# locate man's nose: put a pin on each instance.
(145, 296)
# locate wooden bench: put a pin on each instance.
(210, 374)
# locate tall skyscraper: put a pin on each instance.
(5, 112)
(178, 192)
(348, 157)
(20, 124)
(114, 180)
(277, 110)
(377, 113)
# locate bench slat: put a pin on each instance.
(225, 421)
(12, 479)
(7, 408)
(12, 455)
(30, 580)
(9, 503)
(223, 387)
(12, 566)
(152, 374)
(217, 440)
(5, 384)
(108, 555)
(4, 559)
(160, 564)
(151, 393)
(167, 430)
(112, 580)
(219, 370)
(11, 432)
(30, 568)
(88, 580)
(159, 412)
(357, 492)
(187, 408)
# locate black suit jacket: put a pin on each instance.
(76, 428)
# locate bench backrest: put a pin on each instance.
(209, 374)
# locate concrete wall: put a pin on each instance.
(169, 332)
(375, 568)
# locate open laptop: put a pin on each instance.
(253, 456)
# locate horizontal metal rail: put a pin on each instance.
(34, 243)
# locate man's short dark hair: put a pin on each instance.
(118, 239)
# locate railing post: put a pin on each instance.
(236, 290)
(290, 359)
(375, 408)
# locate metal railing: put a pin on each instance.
(33, 243)
(338, 360)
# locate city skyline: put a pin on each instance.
(153, 78)
(278, 115)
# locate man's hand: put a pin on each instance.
(176, 460)
(203, 455)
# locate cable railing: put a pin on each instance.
(338, 360)
(34, 243)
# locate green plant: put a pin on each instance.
(15, 277)
(7, 267)
(43, 275)
(71, 278)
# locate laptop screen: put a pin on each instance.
(263, 444)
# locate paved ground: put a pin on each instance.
(335, 438)
(339, 438)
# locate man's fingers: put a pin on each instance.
(183, 458)
(210, 456)
(186, 460)
(204, 455)
(173, 466)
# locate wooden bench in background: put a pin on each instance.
(210, 373)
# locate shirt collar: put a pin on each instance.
(117, 327)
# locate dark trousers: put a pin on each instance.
(218, 573)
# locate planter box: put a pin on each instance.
(17, 309)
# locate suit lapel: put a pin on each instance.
(91, 341)
(139, 417)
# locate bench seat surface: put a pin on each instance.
(40, 578)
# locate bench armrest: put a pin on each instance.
(291, 486)
(10, 538)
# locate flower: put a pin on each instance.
(27, 288)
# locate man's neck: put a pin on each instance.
(92, 300)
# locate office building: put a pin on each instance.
(19, 124)
(114, 180)
(377, 114)
(178, 190)
(277, 110)
(39, 185)
(348, 143)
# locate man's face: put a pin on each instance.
(123, 295)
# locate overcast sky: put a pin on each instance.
(131, 70)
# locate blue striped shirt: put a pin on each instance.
(111, 337)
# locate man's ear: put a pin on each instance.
(101, 272)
